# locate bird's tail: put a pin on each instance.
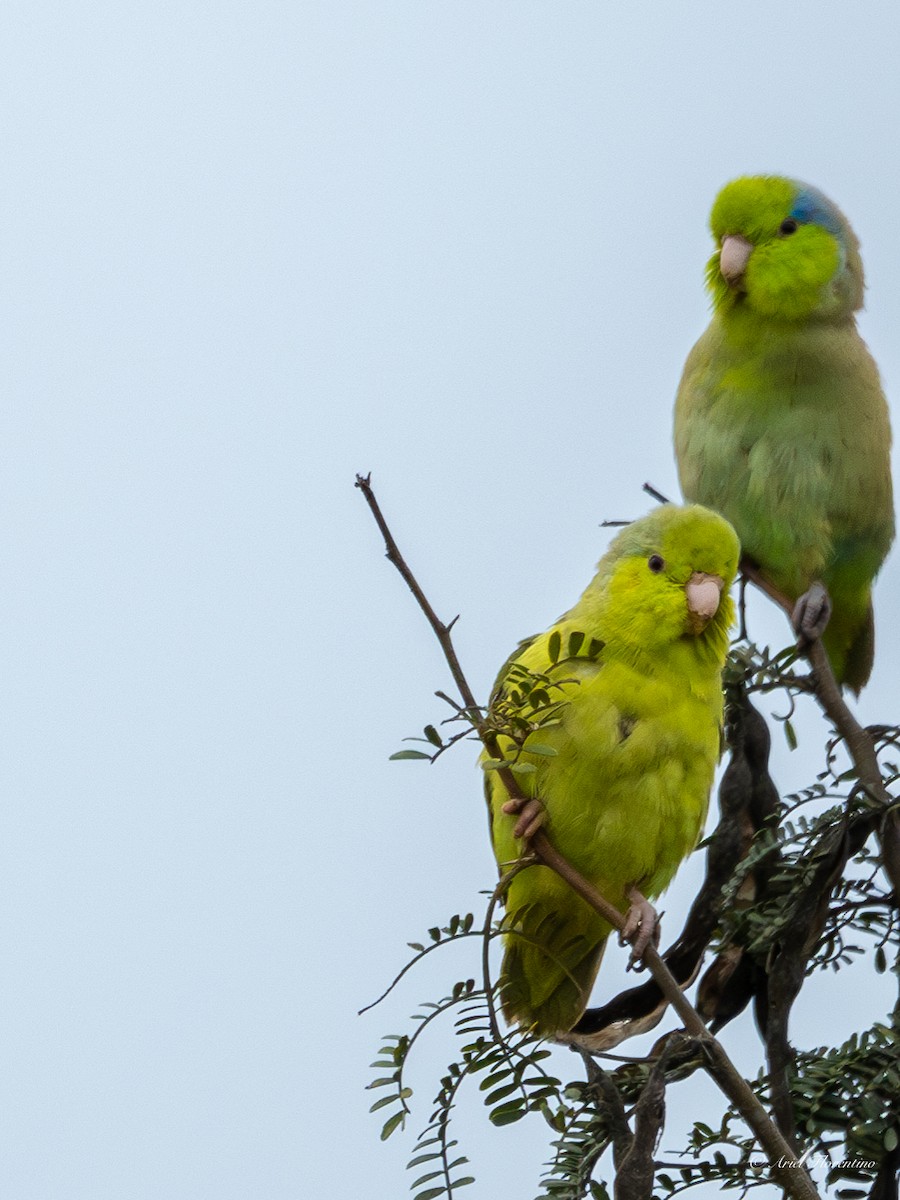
(850, 642)
(553, 950)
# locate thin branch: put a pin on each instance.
(441, 631)
(609, 1101)
(634, 1179)
(656, 494)
(795, 1181)
(472, 933)
(859, 742)
(488, 984)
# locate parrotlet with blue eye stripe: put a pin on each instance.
(781, 423)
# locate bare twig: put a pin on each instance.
(656, 494)
(794, 1180)
(441, 631)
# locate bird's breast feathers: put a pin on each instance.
(627, 792)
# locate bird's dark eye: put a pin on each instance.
(656, 564)
(787, 226)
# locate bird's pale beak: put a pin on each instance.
(703, 595)
(734, 256)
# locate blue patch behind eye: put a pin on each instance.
(812, 208)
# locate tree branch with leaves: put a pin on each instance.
(778, 907)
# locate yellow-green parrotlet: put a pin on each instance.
(780, 421)
(624, 767)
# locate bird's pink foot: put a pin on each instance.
(531, 816)
(812, 613)
(641, 925)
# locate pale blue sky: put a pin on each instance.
(246, 251)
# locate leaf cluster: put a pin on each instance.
(528, 702)
(725, 1156)
(511, 1075)
(852, 1090)
(793, 857)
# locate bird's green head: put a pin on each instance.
(784, 251)
(667, 576)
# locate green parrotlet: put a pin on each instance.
(618, 708)
(781, 423)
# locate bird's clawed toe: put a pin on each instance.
(531, 816)
(812, 613)
(641, 926)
